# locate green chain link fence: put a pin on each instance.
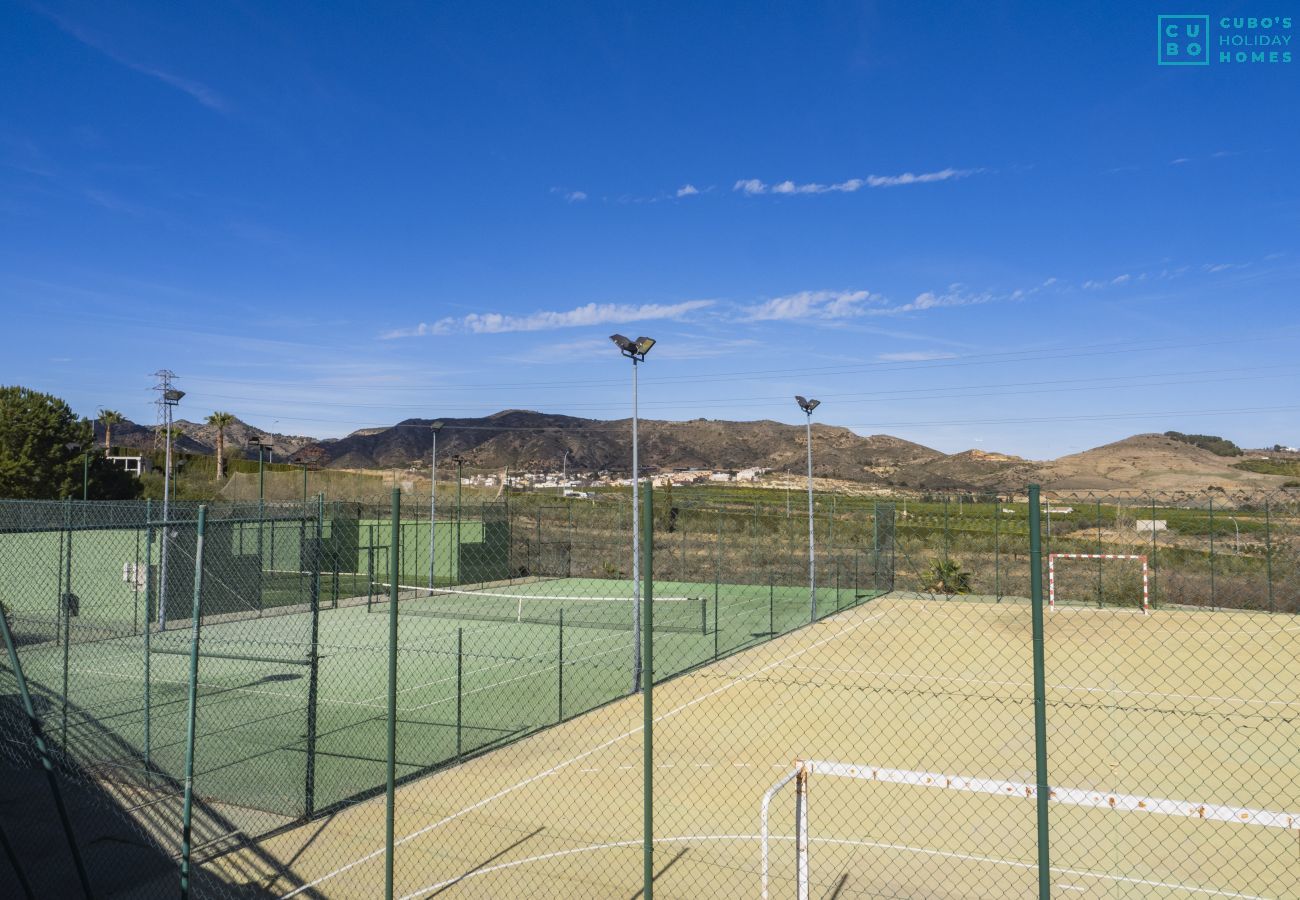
(974, 696)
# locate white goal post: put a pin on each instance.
(1051, 575)
(1122, 804)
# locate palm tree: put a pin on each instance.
(221, 421)
(110, 417)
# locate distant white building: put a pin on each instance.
(751, 474)
(720, 476)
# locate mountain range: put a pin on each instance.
(536, 441)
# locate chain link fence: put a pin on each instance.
(943, 696)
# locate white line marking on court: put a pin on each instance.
(586, 753)
(925, 851)
(1070, 887)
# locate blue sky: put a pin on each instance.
(989, 225)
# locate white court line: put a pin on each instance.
(925, 851)
(1060, 687)
(581, 756)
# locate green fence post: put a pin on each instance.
(875, 545)
(1268, 554)
(1100, 604)
(997, 551)
(1213, 597)
(391, 757)
(370, 569)
(945, 527)
(647, 692)
(65, 603)
(148, 626)
(559, 692)
(1155, 557)
(771, 605)
(460, 686)
(313, 675)
(47, 763)
(196, 607)
(1043, 791)
(13, 864)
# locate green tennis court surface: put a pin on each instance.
(475, 669)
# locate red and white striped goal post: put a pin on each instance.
(1051, 575)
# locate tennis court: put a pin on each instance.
(1195, 708)
(478, 666)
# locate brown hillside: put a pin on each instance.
(1150, 462)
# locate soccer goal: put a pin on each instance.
(1051, 575)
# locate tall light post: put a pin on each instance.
(262, 444)
(635, 351)
(170, 397)
(460, 479)
(808, 406)
(1236, 547)
(564, 468)
(434, 428)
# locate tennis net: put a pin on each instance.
(684, 615)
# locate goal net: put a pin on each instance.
(1114, 588)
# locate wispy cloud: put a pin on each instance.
(915, 356)
(687, 190)
(755, 187)
(812, 305)
(570, 195)
(545, 320)
(197, 90)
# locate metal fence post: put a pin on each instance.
(1043, 791)
(559, 666)
(1155, 558)
(313, 676)
(187, 809)
(43, 750)
(647, 692)
(1268, 554)
(148, 626)
(391, 758)
(997, 551)
(1213, 595)
(460, 687)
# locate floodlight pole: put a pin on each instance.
(85, 476)
(635, 351)
(636, 540)
(170, 397)
(433, 498)
(812, 546)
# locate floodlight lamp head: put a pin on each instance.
(436, 426)
(633, 350)
(172, 396)
(807, 405)
(73, 445)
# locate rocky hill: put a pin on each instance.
(537, 441)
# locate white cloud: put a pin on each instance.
(1121, 279)
(1179, 161)
(915, 356)
(753, 186)
(687, 190)
(544, 320)
(575, 196)
(812, 305)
